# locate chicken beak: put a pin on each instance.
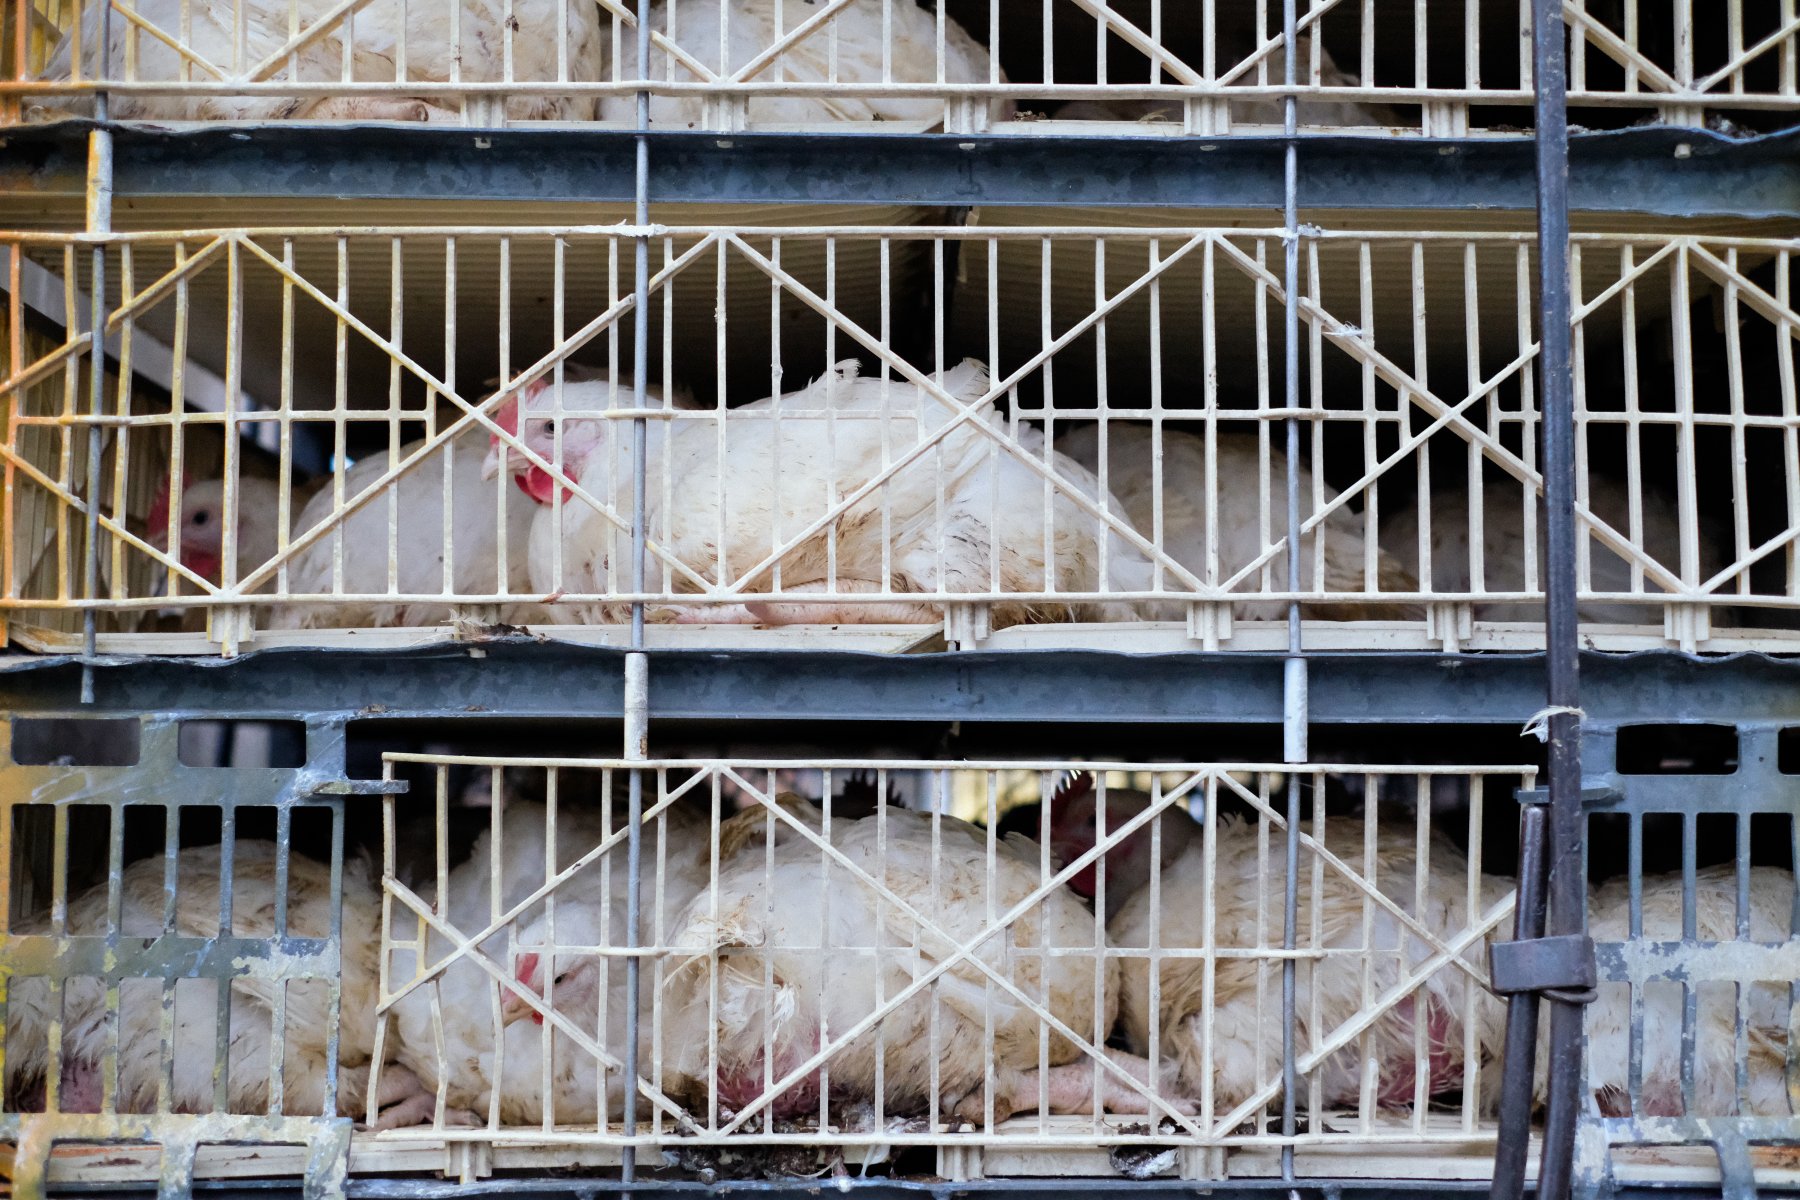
(490, 466)
(515, 1008)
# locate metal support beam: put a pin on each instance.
(522, 677)
(1656, 172)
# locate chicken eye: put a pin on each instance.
(202, 517)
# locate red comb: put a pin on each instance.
(1075, 786)
(527, 968)
(158, 517)
(506, 417)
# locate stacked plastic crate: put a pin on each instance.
(915, 591)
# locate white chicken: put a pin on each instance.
(868, 42)
(1766, 1004)
(200, 532)
(799, 952)
(589, 909)
(462, 555)
(1242, 1051)
(1503, 549)
(253, 998)
(549, 41)
(1247, 521)
(965, 517)
(1245, 1045)
(1262, 110)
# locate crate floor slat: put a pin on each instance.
(1445, 1157)
(1120, 637)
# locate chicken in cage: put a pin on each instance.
(929, 397)
(1180, 883)
(760, 926)
(869, 974)
(300, 1027)
(1144, 65)
(1079, 481)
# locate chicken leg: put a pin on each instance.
(1070, 1089)
(814, 612)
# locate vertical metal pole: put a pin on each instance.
(1294, 700)
(1568, 877)
(637, 666)
(1519, 1058)
(1562, 831)
(99, 221)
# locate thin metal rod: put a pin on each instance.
(636, 667)
(1519, 1058)
(1567, 876)
(99, 220)
(1294, 680)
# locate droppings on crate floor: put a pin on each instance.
(715, 1164)
(1143, 1162)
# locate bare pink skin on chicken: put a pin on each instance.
(742, 1086)
(401, 1100)
(1074, 830)
(738, 1087)
(79, 1090)
(1445, 1068)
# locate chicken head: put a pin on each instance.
(1075, 825)
(535, 432)
(574, 979)
(200, 536)
(533, 419)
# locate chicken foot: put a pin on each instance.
(833, 612)
(381, 108)
(400, 1099)
(814, 612)
(1070, 1089)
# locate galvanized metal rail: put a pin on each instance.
(1656, 172)
(523, 677)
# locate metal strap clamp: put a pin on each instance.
(1562, 968)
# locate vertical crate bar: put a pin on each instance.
(636, 664)
(99, 221)
(1294, 676)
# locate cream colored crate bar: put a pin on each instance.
(1122, 66)
(1162, 339)
(972, 933)
(425, 1156)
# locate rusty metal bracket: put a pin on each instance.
(1560, 967)
(1602, 794)
(361, 787)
